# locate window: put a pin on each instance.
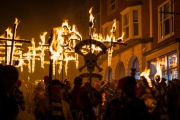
(112, 6)
(166, 20)
(131, 22)
(168, 67)
(126, 25)
(79, 16)
(107, 28)
(136, 65)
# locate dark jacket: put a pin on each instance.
(8, 106)
(122, 109)
(75, 98)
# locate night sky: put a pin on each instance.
(36, 16)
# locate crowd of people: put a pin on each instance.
(124, 99)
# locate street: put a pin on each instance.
(25, 116)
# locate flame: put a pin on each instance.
(65, 23)
(42, 48)
(42, 37)
(91, 17)
(57, 42)
(112, 38)
(60, 67)
(146, 73)
(33, 49)
(77, 62)
(75, 34)
(54, 67)
(3, 36)
(113, 26)
(16, 21)
(158, 68)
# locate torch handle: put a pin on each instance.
(12, 44)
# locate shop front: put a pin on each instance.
(168, 58)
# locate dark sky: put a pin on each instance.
(36, 16)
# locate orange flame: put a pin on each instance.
(91, 17)
(75, 34)
(3, 36)
(16, 21)
(158, 68)
(113, 26)
(146, 73)
(42, 37)
(57, 41)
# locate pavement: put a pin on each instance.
(24, 115)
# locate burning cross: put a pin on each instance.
(13, 39)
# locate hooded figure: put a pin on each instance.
(8, 104)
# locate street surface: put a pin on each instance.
(25, 116)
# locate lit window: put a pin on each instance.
(131, 22)
(166, 20)
(112, 5)
(168, 67)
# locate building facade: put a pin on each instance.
(151, 30)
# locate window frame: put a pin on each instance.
(131, 22)
(109, 5)
(108, 26)
(168, 69)
(161, 31)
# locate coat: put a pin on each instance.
(43, 104)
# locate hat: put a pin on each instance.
(46, 77)
(57, 82)
(19, 82)
(126, 81)
(78, 81)
(8, 69)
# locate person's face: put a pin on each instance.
(138, 85)
(56, 89)
(141, 78)
(115, 86)
(40, 86)
(8, 81)
(87, 86)
(46, 81)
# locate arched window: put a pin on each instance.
(120, 71)
(136, 65)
